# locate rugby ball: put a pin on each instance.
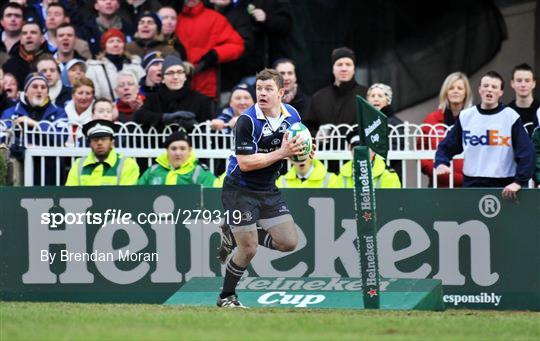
(298, 129)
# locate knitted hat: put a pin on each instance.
(170, 60)
(343, 52)
(385, 88)
(154, 17)
(34, 76)
(152, 58)
(245, 87)
(99, 128)
(179, 135)
(110, 33)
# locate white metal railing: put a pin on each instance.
(409, 144)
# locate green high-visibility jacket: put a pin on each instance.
(114, 170)
(320, 177)
(382, 176)
(188, 173)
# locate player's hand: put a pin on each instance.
(442, 169)
(259, 15)
(313, 149)
(510, 191)
(292, 146)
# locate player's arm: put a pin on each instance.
(289, 147)
(246, 147)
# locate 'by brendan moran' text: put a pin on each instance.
(96, 256)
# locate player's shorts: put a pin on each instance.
(262, 208)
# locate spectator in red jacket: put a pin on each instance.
(455, 95)
(209, 40)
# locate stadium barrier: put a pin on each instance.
(63, 143)
(54, 242)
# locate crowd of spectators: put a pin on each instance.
(157, 62)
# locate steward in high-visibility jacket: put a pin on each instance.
(218, 183)
(308, 174)
(178, 165)
(382, 177)
(103, 166)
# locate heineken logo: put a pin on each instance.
(369, 253)
(370, 128)
(284, 284)
(365, 192)
(372, 292)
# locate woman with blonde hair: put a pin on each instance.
(455, 95)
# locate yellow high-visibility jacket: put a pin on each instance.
(114, 170)
(382, 176)
(320, 177)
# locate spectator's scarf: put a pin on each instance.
(289, 95)
(118, 61)
(103, 26)
(26, 56)
(124, 108)
(35, 113)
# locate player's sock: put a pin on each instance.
(232, 276)
(265, 239)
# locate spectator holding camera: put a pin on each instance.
(175, 101)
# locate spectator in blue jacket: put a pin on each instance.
(34, 108)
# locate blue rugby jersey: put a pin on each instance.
(253, 134)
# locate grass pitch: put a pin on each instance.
(74, 321)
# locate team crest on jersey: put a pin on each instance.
(267, 131)
(282, 127)
(275, 142)
(247, 216)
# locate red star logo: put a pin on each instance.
(367, 216)
(372, 292)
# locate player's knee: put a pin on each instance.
(248, 251)
(287, 245)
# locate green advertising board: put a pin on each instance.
(483, 248)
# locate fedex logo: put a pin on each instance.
(491, 138)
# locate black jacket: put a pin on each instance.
(168, 101)
(270, 34)
(335, 105)
(301, 102)
(240, 20)
(19, 67)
